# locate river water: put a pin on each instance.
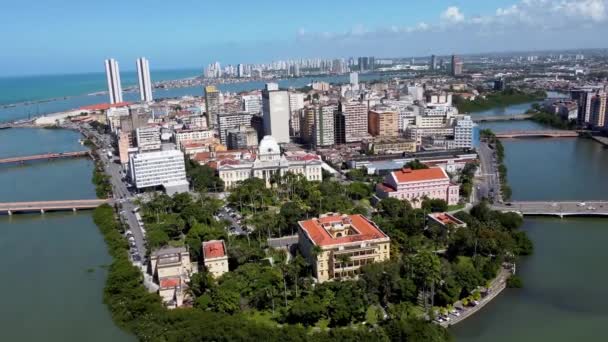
(53, 265)
(565, 297)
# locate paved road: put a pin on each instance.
(488, 184)
(497, 285)
(121, 193)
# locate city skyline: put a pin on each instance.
(407, 29)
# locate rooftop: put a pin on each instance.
(407, 175)
(106, 106)
(362, 229)
(445, 219)
(170, 282)
(213, 249)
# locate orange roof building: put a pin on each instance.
(215, 257)
(337, 246)
(416, 185)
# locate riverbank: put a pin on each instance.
(497, 285)
(496, 100)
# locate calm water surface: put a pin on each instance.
(565, 297)
(53, 265)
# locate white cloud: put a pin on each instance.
(526, 24)
(452, 15)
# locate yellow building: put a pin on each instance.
(338, 245)
(389, 145)
(171, 269)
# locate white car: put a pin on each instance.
(582, 204)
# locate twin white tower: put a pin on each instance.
(143, 76)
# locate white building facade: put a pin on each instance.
(275, 109)
(157, 168)
(145, 83)
(113, 78)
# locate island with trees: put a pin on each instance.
(270, 295)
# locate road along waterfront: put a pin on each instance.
(562, 298)
(53, 265)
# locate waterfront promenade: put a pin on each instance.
(11, 208)
(46, 156)
(496, 287)
(556, 208)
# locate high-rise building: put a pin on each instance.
(383, 122)
(583, 99)
(433, 63)
(275, 109)
(240, 71)
(213, 105)
(153, 169)
(354, 79)
(457, 66)
(242, 138)
(355, 121)
(113, 77)
(597, 117)
(252, 103)
(463, 132)
(307, 123)
(148, 138)
(324, 125)
(229, 121)
(145, 83)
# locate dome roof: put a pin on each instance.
(269, 145)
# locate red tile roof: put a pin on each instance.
(407, 175)
(319, 235)
(105, 106)
(170, 282)
(213, 249)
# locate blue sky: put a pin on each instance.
(69, 36)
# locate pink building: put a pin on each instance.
(414, 185)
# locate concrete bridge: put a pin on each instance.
(11, 208)
(556, 208)
(538, 134)
(46, 156)
(516, 117)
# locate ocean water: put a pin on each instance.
(36, 88)
(60, 93)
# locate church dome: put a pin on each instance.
(269, 145)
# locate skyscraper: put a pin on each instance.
(456, 66)
(275, 109)
(145, 83)
(213, 105)
(113, 76)
(354, 79)
(433, 63)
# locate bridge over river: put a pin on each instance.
(46, 156)
(556, 208)
(488, 118)
(538, 134)
(11, 208)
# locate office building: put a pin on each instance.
(145, 83)
(148, 138)
(183, 136)
(228, 121)
(355, 121)
(244, 137)
(160, 168)
(597, 117)
(113, 78)
(213, 105)
(275, 110)
(415, 185)
(354, 79)
(457, 66)
(324, 125)
(240, 71)
(336, 246)
(215, 257)
(383, 122)
(463, 132)
(252, 103)
(433, 65)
